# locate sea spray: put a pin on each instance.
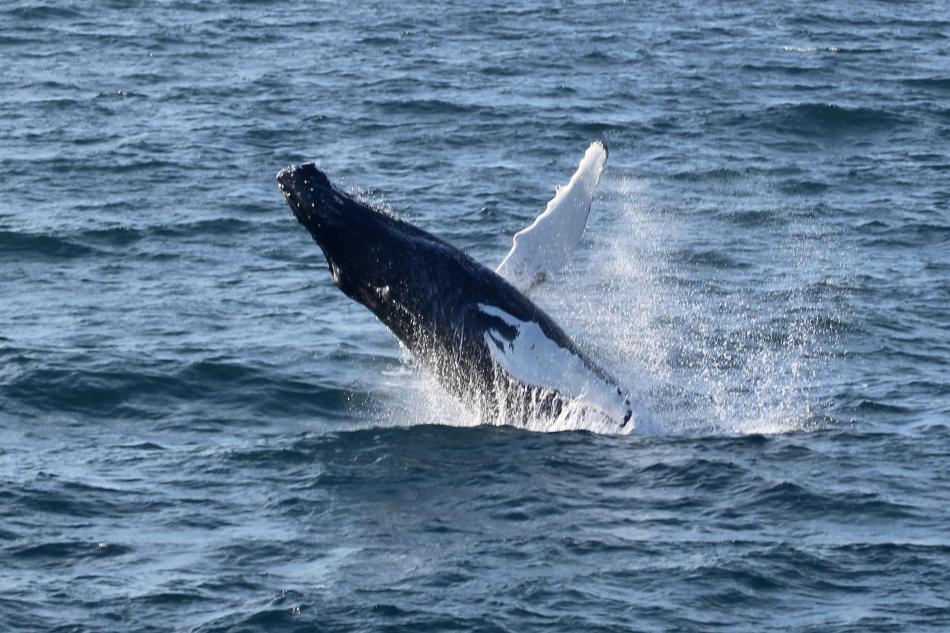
(704, 357)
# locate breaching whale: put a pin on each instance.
(480, 336)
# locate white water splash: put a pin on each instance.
(707, 353)
(710, 353)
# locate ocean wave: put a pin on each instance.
(787, 497)
(51, 496)
(753, 218)
(699, 474)
(723, 174)
(37, 246)
(818, 120)
(66, 552)
(907, 234)
(423, 107)
(802, 187)
(785, 69)
(718, 259)
(937, 84)
(853, 22)
(171, 599)
(41, 12)
(115, 240)
(502, 70)
(131, 390)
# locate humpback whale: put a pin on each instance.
(482, 338)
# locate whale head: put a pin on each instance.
(359, 244)
(370, 253)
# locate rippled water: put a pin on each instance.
(199, 432)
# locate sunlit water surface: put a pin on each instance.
(199, 432)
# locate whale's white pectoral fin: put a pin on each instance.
(545, 246)
(534, 359)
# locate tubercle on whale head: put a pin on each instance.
(308, 192)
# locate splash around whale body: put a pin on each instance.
(481, 337)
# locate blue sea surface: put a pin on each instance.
(199, 432)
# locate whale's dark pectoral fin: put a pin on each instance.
(545, 245)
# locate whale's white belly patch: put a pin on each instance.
(534, 359)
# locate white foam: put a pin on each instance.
(704, 356)
(709, 357)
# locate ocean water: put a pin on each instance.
(199, 432)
